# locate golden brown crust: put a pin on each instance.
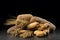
(26, 33)
(39, 33)
(32, 25)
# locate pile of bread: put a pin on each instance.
(27, 25)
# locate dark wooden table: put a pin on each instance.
(53, 36)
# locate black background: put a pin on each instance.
(42, 9)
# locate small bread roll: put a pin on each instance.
(39, 33)
(46, 31)
(43, 26)
(21, 31)
(26, 17)
(32, 25)
(26, 34)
